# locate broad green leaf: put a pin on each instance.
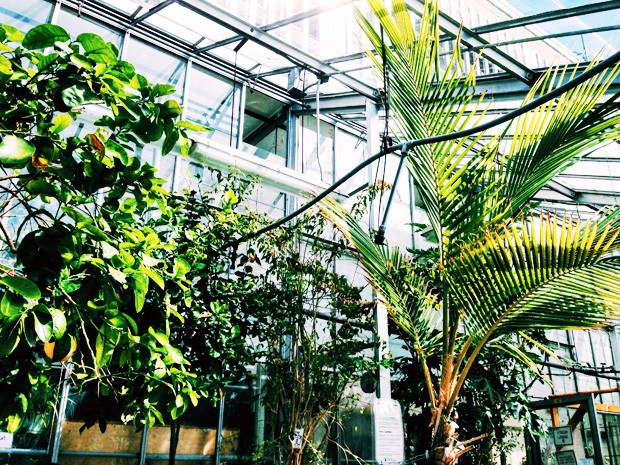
(23, 286)
(44, 35)
(10, 339)
(193, 126)
(13, 422)
(181, 267)
(76, 95)
(40, 186)
(175, 354)
(116, 150)
(43, 325)
(140, 289)
(12, 33)
(156, 277)
(23, 400)
(160, 367)
(81, 62)
(106, 342)
(171, 108)
(15, 151)
(60, 123)
(170, 141)
(96, 48)
(12, 305)
(194, 398)
(59, 323)
(160, 337)
(160, 90)
(5, 65)
(43, 60)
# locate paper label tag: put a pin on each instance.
(6, 440)
(298, 439)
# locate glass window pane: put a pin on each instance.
(264, 127)
(156, 65)
(319, 164)
(210, 102)
(24, 14)
(75, 25)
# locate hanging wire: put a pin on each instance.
(385, 101)
(234, 89)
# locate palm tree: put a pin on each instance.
(506, 267)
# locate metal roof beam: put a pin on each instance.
(557, 35)
(549, 16)
(471, 39)
(341, 104)
(152, 11)
(283, 22)
(276, 45)
(106, 14)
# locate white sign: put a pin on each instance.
(6, 440)
(298, 439)
(585, 461)
(389, 434)
(562, 436)
(566, 457)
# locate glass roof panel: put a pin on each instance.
(129, 8)
(331, 34)
(528, 7)
(501, 10)
(581, 47)
(262, 12)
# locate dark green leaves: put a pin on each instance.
(15, 151)
(44, 35)
(22, 286)
(76, 95)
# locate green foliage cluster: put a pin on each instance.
(78, 259)
(309, 363)
(142, 297)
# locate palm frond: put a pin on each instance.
(547, 273)
(408, 298)
(556, 135)
(454, 178)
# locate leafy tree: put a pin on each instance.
(258, 304)
(78, 261)
(310, 364)
(494, 392)
(504, 267)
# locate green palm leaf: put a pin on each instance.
(546, 274)
(453, 177)
(408, 298)
(556, 135)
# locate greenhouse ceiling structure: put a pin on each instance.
(268, 45)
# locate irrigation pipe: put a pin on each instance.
(405, 147)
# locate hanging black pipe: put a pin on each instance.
(380, 236)
(558, 91)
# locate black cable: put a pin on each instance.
(385, 100)
(234, 89)
(406, 146)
